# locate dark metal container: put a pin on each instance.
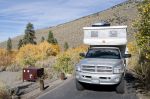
(32, 73)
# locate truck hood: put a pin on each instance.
(101, 62)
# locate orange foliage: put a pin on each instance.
(6, 58)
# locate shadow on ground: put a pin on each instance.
(99, 88)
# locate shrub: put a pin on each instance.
(63, 63)
(4, 93)
(13, 67)
(66, 61)
(133, 49)
(47, 49)
(30, 54)
(3, 55)
(143, 72)
(27, 55)
(6, 58)
(143, 41)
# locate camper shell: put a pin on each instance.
(111, 36)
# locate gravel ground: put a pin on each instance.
(28, 89)
(10, 78)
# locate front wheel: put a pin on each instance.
(121, 87)
(79, 86)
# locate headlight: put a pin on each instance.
(118, 70)
(78, 68)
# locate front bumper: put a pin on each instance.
(95, 78)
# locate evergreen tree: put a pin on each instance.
(55, 41)
(51, 38)
(66, 46)
(9, 45)
(42, 39)
(20, 44)
(29, 34)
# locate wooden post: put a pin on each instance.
(41, 84)
(62, 76)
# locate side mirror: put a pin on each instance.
(127, 55)
(82, 54)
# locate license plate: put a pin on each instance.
(95, 81)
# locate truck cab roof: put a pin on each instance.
(103, 47)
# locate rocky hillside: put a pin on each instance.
(71, 32)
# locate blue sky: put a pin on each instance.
(15, 14)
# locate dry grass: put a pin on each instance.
(4, 94)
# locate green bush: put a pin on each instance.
(64, 64)
(143, 41)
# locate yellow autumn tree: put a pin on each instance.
(46, 49)
(30, 54)
(143, 41)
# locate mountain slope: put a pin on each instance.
(71, 32)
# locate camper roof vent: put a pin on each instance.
(101, 24)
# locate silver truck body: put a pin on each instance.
(99, 70)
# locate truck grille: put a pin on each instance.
(97, 69)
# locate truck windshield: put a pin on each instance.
(103, 53)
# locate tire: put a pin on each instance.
(79, 86)
(121, 87)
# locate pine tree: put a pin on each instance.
(29, 34)
(9, 45)
(66, 46)
(51, 38)
(20, 44)
(42, 39)
(55, 41)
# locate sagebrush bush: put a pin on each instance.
(143, 71)
(4, 93)
(13, 67)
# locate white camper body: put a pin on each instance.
(110, 35)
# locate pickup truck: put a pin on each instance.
(104, 62)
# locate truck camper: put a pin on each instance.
(104, 62)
